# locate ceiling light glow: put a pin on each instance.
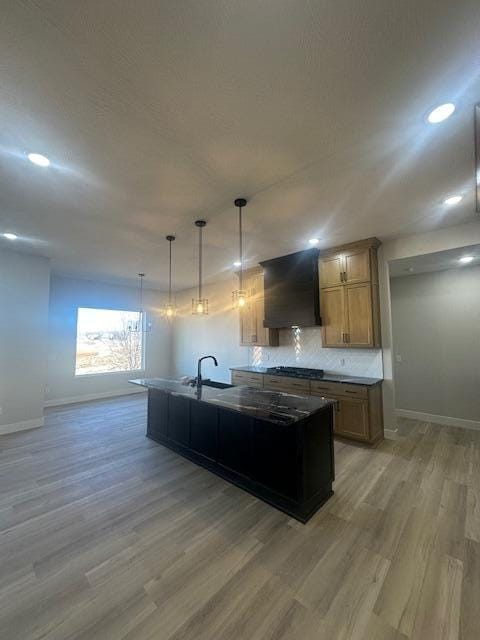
(314, 241)
(441, 113)
(38, 159)
(10, 236)
(466, 259)
(237, 263)
(451, 200)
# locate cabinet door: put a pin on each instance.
(248, 319)
(331, 269)
(359, 314)
(157, 413)
(235, 441)
(203, 429)
(352, 418)
(356, 266)
(179, 420)
(274, 457)
(332, 310)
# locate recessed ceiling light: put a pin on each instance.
(453, 200)
(237, 263)
(37, 158)
(466, 259)
(314, 241)
(10, 236)
(441, 113)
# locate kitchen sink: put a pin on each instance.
(216, 385)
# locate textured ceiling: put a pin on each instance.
(438, 261)
(156, 113)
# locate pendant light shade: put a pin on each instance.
(239, 296)
(169, 310)
(200, 304)
(141, 325)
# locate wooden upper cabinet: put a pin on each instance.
(332, 309)
(331, 270)
(252, 331)
(349, 295)
(356, 266)
(359, 315)
(350, 264)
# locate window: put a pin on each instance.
(105, 342)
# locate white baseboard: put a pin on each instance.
(93, 396)
(430, 417)
(21, 426)
(390, 433)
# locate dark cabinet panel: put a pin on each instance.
(203, 429)
(275, 457)
(157, 413)
(235, 441)
(179, 420)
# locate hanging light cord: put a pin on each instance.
(170, 276)
(240, 246)
(200, 262)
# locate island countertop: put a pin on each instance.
(274, 406)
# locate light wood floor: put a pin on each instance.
(106, 535)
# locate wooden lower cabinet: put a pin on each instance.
(358, 408)
(351, 418)
(359, 417)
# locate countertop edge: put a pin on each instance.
(347, 379)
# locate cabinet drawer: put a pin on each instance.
(351, 390)
(327, 389)
(283, 383)
(240, 378)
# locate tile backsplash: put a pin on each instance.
(302, 347)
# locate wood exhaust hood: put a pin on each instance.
(291, 290)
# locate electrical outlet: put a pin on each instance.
(398, 357)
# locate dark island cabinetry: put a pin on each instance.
(286, 462)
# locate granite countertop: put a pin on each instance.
(327, 377)
(275, 406)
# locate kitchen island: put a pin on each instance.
(278, 446)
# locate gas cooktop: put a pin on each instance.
(296, 372)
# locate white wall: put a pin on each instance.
(66, 295)
(24, 285)
(413, 245)
(436, 334)
(218, 334)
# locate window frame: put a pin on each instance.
(143, 320)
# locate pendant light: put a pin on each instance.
(169, 310)
(239, 296)
(141, 325)
(200, 305)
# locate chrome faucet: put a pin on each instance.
(199, 369)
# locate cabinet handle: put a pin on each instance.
(344, 276)
(347, 337)
(341, 276)
(343, 337)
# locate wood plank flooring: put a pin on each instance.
(107, 535)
